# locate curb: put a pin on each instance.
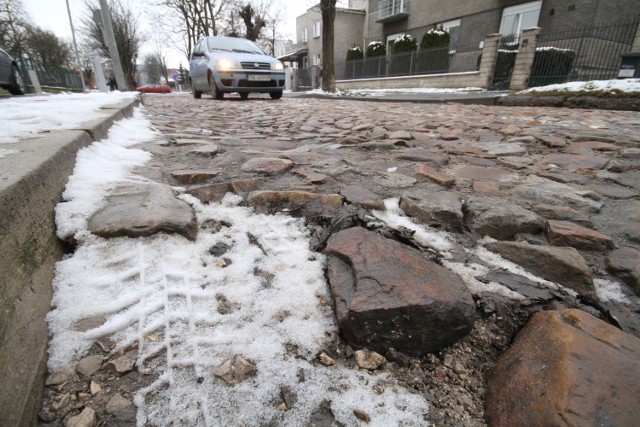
(31, 184)
(620, 103)
(479, 100)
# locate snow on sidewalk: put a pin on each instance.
(164, 292)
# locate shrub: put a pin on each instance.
(355, 52)
(435, 37)
(433, 56)
(404, 43)
(551, 65)
(376, 49)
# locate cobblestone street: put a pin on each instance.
(444, 228)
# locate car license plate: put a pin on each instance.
(259, 77)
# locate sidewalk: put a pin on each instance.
(473, 97)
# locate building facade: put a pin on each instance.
(470, 21)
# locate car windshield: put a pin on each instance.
(233, 45)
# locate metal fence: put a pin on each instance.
(590, 53)
(461, 58)
(48, 77)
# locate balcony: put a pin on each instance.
(392, 10)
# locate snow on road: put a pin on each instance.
(164, 293)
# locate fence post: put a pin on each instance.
(294, 79)
(524, 59)
(314, 77)
(488, 59)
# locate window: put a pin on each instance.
(305, 62)
(453, 28)
(305, 36)
(520, 17)
(316, 28)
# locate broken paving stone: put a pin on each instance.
(267, 166)
(564, 233)
(298, 203)
(118, 405)
(614, 191)
(443, 209)
(355, 194)
(545, 191)
(88, 323)
(477, 173)
(86, 418)
(435, 176)
(564, 266)
(361, 415)
(624, 263)
(326, 360)
(194, 176)
(389, 295)
(143, 209)
(121, 365)
(89, 365)
(235, 370)
(500, 219)
(566, 368)
(61, 376)
(370, 360)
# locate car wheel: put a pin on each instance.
(244, 95)
(17, 85)
(276, 95)
(215, 92)
(196, 94)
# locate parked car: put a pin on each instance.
(222, 65)
(10, 78)
(154, 88)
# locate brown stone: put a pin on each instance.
(624, 263)
(267, 166)
(89, 365)
(86, 418)
(370, 360)
(452, 135)
(564, 233)
(561, 265)
(235, 370)
(359, 195)
(442, 209)
(208, 193)
(434, 175)
(486, 187)
(588, 147)
(121, 365)
(500, 219)
(575, 161)
(143, 210)
(297, 203)
(566, 368)
(422, 155)
(193, 176)
(118, 404)
(552, 141)
(389, 295)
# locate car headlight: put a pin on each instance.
(277, 66)
(225, 64)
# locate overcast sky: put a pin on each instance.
(52, 15)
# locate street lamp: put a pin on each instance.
(75, 47)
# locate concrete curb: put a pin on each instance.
(31, 184)
(477, 100)
(622, 103)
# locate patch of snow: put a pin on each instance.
(4, 152)
(165, 293)
(618, 85)
(609, 291)
(24, 117)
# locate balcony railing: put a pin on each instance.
(392, 10)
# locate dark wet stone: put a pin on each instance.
(500, 219)
(389, 295)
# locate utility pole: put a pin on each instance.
(75, 47)
(110, 41)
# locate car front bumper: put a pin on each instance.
(242, 82)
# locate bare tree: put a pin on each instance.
(125, 29)
(197, 18)
(47, 49)
(328, 10)
(13, 26)
(254, 22)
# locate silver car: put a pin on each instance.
(10, 78)
(222, 65)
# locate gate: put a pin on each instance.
(304, 80)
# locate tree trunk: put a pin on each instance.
(328, 8)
